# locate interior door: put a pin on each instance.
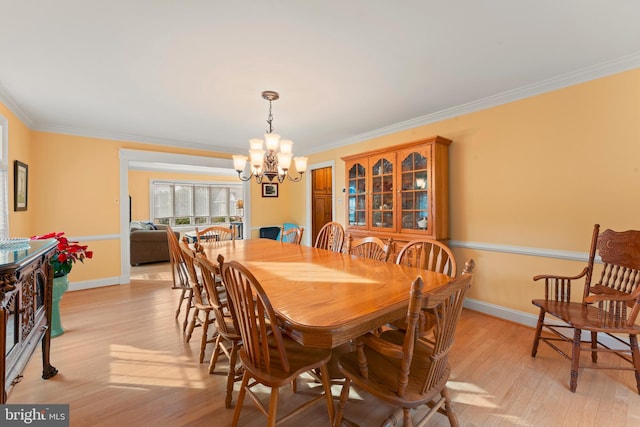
(321, 200)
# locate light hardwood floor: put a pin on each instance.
(123, 361)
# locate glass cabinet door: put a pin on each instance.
(399, 192)
(415, 190)
(357, 195)
(382, 192)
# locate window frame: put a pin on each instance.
(194, 218)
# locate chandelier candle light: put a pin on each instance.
(270, 163)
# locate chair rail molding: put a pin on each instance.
(522, 250)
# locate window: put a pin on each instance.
(4, 180)
(194, 203)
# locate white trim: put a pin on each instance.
(515, 316)
(94, 238)
(521, 250)
(4, 142)
(204, 170)
(91, 284)
(306, 238)
(125, 255)
(593, 72)
(246, 213)
(615, 66)
(172, 158)
(196, 182)
(120, 136)
(4, 166)
(15, 108)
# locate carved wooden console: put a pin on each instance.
(26, 283)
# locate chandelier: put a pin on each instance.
(274, 162)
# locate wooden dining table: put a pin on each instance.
(323, 298)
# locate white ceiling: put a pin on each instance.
(190, 72)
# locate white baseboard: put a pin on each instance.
(90, 284)
(515, 316)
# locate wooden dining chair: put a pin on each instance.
(398, 368)
(428, 254)
(201, 316)
(291, 235)
(268, 356)
(215, 234)
(180, 277)
(330, 237)
(228, 338)
(369, 247)
(608, 310)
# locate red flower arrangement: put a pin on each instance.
(67, 253)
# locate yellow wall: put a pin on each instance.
(74, 188)
(537, 172)
(275, 211)
(19, 138)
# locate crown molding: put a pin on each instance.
(116, 136)
(15, 108)
(593, 72)
(603, 69)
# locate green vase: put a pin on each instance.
(60, 286)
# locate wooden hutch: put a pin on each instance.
(400, 192)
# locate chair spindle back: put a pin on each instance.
(330, 237)
(254, 317)
(428, 255)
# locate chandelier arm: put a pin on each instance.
(244, 178)
(296, 179)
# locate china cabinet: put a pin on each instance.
(26, 279)
(400, 191)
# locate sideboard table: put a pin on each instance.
(26, 284)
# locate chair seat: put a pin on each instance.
(582, 316)
(301, 360)
(426, 322)
(383, 373)
(230, 333)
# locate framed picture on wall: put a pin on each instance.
(20, 186)
(269, 189)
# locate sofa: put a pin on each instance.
(148, 243)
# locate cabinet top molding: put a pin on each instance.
(434, 139)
